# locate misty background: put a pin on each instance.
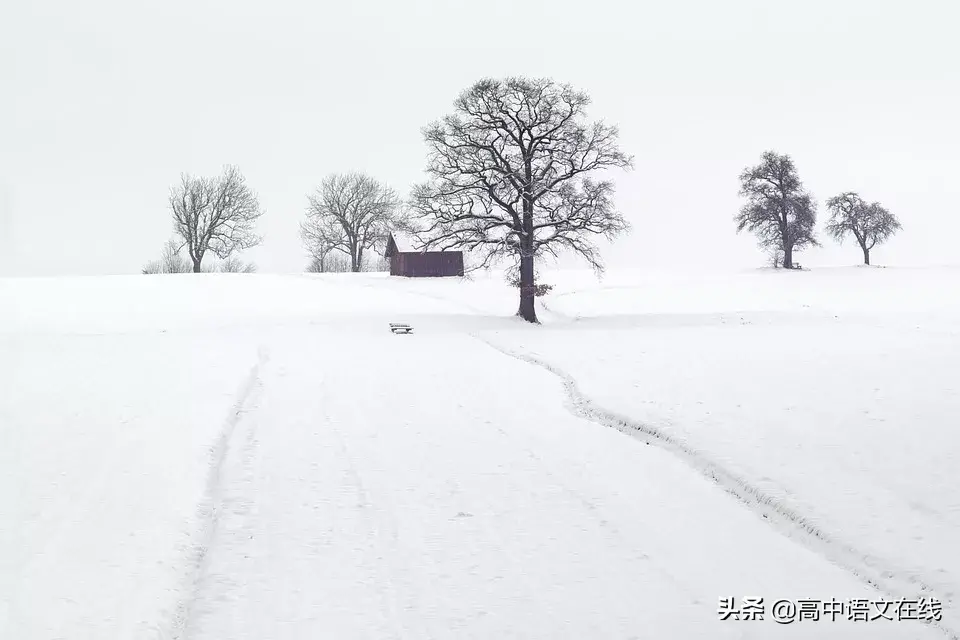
(105, 103)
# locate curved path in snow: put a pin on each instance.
(427, 486)
(258, 457)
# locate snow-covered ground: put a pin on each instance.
(227, 456)
(836, 397)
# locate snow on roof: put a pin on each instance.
(405, 243)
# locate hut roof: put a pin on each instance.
(404, 243)
(400, 242)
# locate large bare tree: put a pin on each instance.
(870, 223)
(215, 214)
(352, 213)
(511, 176)
(778, 210)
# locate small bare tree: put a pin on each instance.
(510, 176)
(215, 214)
(775, 255)
(870, 223)
(351, 213)
(778, 209)
(375, 263)
(338, 262)
(315, 265)
(321, 236)
(170, 261)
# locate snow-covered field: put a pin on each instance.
(234, 456)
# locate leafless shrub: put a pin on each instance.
(775, 255)
(338, 262)
(171, 261)
(234, 264)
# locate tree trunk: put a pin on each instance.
(528, 290)
(528, 285)
(354, 260)
(788, 257)
(866, 256)
(784, 220)
(196, 266)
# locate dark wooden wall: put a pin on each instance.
(430, 264)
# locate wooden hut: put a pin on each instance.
(405, 261)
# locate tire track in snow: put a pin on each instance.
(794, 525)
(210, 508)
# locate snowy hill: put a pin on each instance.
(254, 456)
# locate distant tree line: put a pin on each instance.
(783, 215)
(513, 174)
(340, 263)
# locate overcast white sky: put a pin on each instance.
(105, 102)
